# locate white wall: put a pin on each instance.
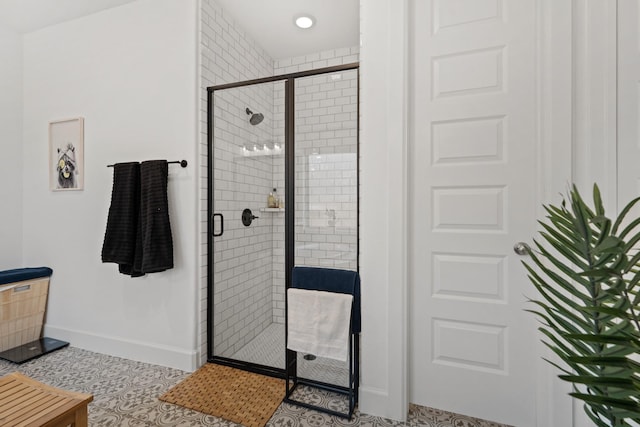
(594, 51)
(11, 146)
(131, 73)
(383, 208)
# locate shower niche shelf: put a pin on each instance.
(271, 209)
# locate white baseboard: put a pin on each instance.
(374, 401)
(173, 357)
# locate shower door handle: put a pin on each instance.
(221, 225)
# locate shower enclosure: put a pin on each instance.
(283, 191)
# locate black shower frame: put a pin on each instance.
(289, 80)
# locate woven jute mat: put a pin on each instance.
(242, 397)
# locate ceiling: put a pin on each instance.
(269, 22)
(25, 16)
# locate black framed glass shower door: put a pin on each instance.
(282, 191)
(247, 225)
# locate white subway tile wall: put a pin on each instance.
(326, 167)
(249, 271)
(243, 255)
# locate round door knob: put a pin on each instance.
(521, 248)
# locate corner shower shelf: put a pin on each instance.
(271, 209)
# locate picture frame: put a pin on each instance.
(66, 154)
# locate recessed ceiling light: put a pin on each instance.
(304, 21)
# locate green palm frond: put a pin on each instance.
(586, 272)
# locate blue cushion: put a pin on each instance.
(331, 280)
(20, 274)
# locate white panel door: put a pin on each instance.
(472, 196)
(628, 103)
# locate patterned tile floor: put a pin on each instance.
(126, 394)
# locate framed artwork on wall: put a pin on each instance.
(66, 154)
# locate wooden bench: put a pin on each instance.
(25, 402)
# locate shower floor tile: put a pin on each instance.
(268, 349)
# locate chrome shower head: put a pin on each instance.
(255, 118)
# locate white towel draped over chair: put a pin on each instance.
(318, 323)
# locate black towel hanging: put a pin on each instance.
(138, 236)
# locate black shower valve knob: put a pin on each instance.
(248, 217)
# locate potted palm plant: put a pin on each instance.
(586, 269)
